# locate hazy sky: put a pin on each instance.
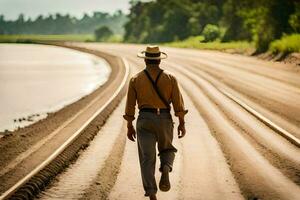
(12, 8)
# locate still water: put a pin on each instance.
(38, 79)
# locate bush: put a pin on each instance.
(287, 44)
(103, 33)
(211, 32)
(115, 39)
(197, 42)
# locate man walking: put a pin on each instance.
(154, 89)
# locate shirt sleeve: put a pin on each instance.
(130, 102)
(177, 100)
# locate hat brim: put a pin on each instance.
(163, 55)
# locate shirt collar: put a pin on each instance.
(152, 68)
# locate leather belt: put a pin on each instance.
(155, 110)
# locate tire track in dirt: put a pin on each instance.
(268, 182)
(274, 117)
(259, 131)
(271, 70)
(280, 98)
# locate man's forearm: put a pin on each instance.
(181, 119)
(129, 124)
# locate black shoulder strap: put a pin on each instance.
(154, 84)
(160, 72)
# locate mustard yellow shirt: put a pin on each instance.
(141, 91)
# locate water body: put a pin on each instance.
(38, 79)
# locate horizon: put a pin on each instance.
(76, 8)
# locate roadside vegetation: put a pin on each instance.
(104, 34)
(227, 25)
(197, 42)
(31, 38)
(287, 44)
(266, 25)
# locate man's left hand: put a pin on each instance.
(181, 130)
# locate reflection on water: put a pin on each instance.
(38, 79)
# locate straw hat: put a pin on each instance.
(152, 53)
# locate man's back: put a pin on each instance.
(141, 91)
(146, 95)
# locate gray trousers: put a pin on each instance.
(154, 129)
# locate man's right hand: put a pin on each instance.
(131, 135)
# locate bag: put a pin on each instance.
(154, 84)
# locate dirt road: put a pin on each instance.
(227, 152)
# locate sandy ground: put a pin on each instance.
(84, 170)
(226, 154)
(293, 58)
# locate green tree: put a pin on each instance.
(211, 32)
(2, 23)
(165, 21)
(267, 20)
(64, 24)
(103, 33)
(233, 22)
(175, 22)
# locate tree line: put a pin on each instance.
(166, 21)
(64, 24)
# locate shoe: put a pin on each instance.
(152, 197)
(164, 183)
